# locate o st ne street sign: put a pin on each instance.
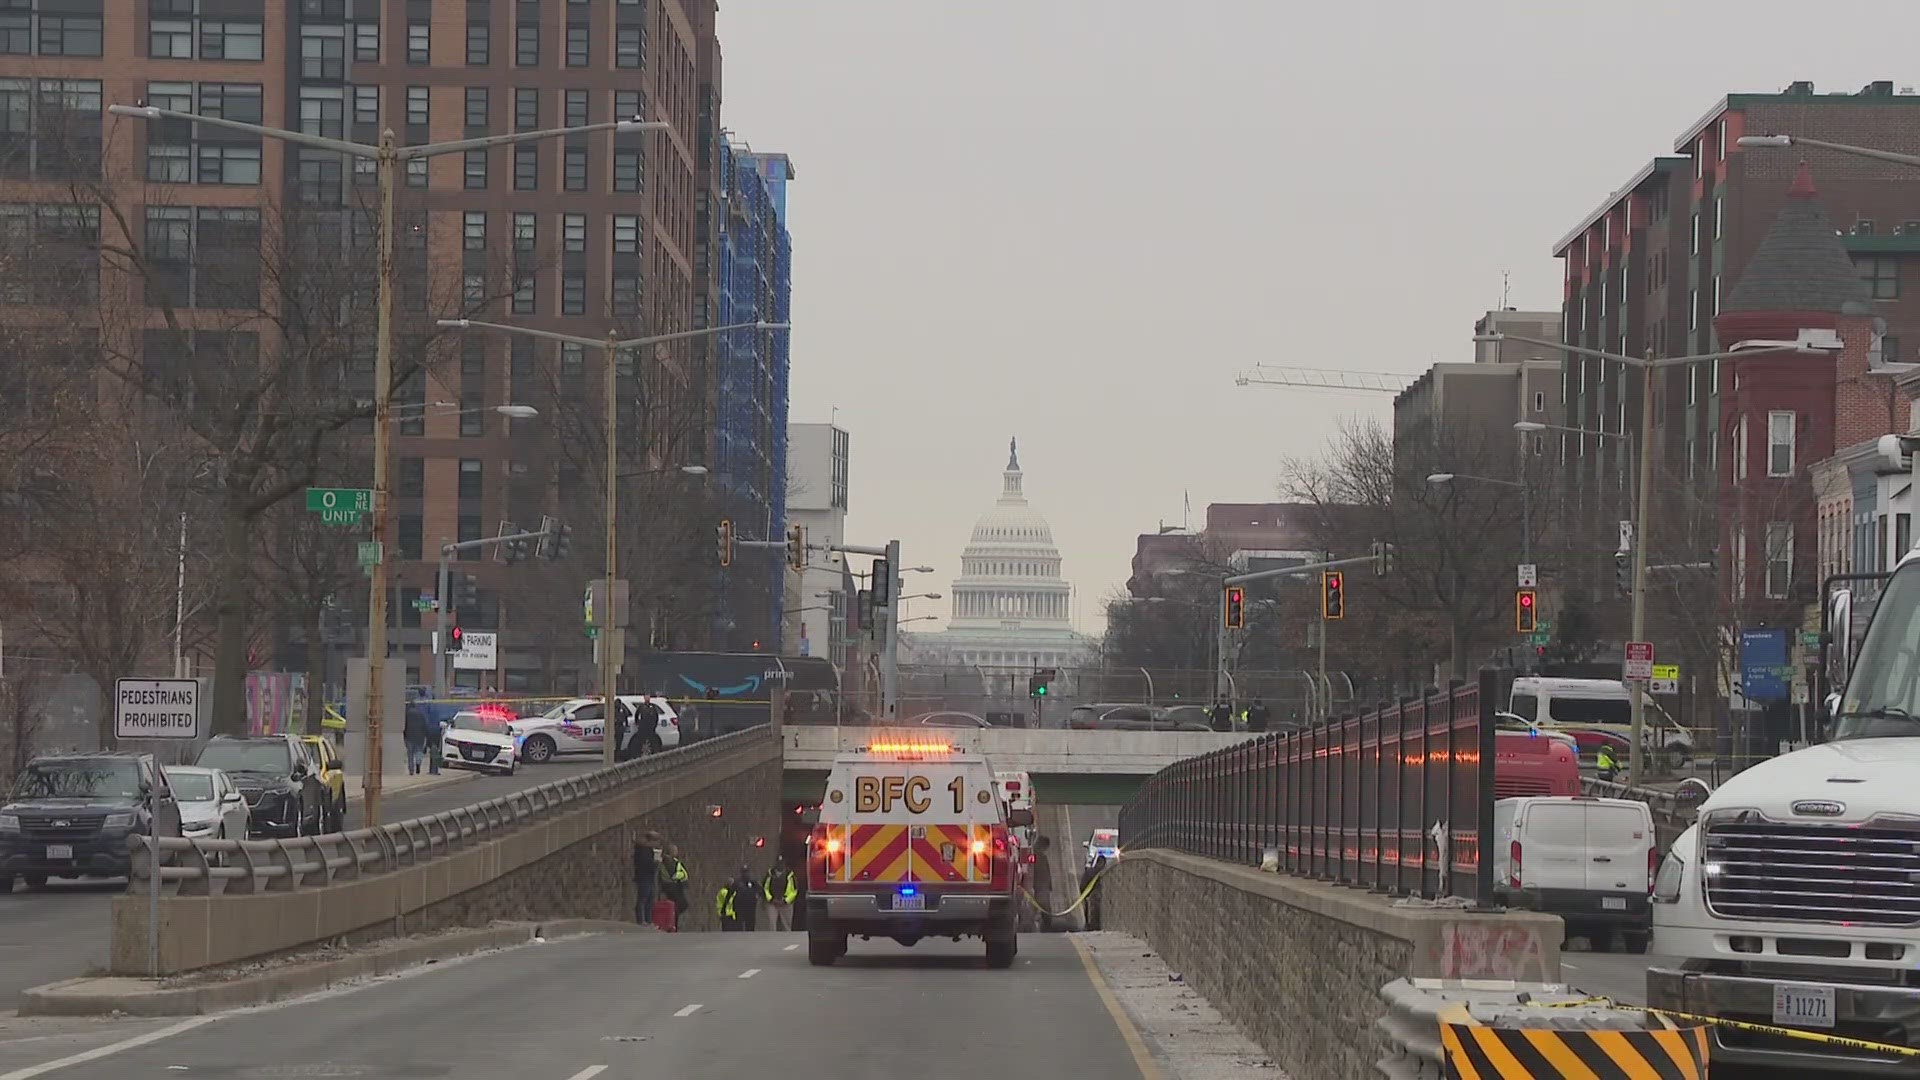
(156, 708)
(340, 506)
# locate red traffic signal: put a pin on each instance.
(1526, 611)
(1236, 611)
(456, 639)
(1333, 595)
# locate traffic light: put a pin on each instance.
(456, 639)
(1382, 558)
(797, 547)
(1037, 682)
(563, 544)
(881, 583)
(507, 551)
(466, 592)
(1236, 612)
(549, 537)
(1526, 612)
(1623, 573)
(1333, 595)
(726, 541)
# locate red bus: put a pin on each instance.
(1530, 764)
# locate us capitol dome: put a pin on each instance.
(1011, 608)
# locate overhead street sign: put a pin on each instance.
(156, 709)
(1639, 665)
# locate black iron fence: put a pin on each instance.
(1398, 799)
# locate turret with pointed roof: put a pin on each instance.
(1800, 270)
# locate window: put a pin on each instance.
(576, 45)
(70, 35)
(1740, 448)
(412, 536)
(229, 163)
(626, 234)
(573, 232)
(1779, 559)
(1716, 295)
(477, 107)
(626, 104)
(626, 170)
(231, 41)
(418, 101)
(526, 109)
(576, 108)
(526, 45)
(1719, 211)
(479, 44)
(524, 295)
(473, 290)
(526, 167)
(1902, 535)
(574, 168)
(169, 39)
(476, 170)
(626, 47)
(417, 172)
(322, 111)
(473, 230)
(366, 104)
(16, 33)
(1693, 384)
(525, 232)
(1889, 349)
(469, 525)
(231, 101)
(573, 295)
(419, 42)
(366, 42)
(1693, 311)
(169, 164)
(323, 53)
(1780, 437)
(413, 478)
(1881, 275)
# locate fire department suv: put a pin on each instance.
(913, 842)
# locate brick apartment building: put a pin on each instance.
(580, 234)
(1650, 270)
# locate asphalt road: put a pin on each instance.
(1620, 976)
(62, 932)
(679, 1005)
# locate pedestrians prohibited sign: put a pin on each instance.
(156, 709)
(1639, 661)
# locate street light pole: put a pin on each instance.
(387, 156)
(1644, 509)
(612, 643)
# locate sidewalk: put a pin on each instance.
(407, 784)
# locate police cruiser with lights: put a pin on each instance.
(1794, 900)
(913, 841)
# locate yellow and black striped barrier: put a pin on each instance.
(1659, 1051)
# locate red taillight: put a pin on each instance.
(674, 720)
(1513, 872)
(1653, 867)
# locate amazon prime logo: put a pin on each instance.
(1819, 808)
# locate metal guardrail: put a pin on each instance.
(1671, 814)
(1398, 799)
(203, 867)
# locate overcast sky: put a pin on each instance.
(1074, 220)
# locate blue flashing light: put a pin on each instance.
(909, 890)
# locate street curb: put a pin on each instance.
(71, 997)
(452, 776)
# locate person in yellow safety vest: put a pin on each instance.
(1604, 764)
(780, 891)
(725, 905)
(673, 880)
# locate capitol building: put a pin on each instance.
(1011, 607)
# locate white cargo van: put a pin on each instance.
(1589, 861)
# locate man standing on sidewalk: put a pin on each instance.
(646, 876)
(780, 891)
(414, 734)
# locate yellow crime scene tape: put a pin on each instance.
(1085, 892)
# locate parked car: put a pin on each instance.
(477, 747)
(1111, 717)
(578, 726)
(332, 771)
(283, 795)
(211, 806)
(948, 720)
(70, 815)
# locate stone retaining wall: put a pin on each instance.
(1298, 965)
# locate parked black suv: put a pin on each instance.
(69, 815)
(284, 797)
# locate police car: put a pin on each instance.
(913, 841)
(578, 726)
(1104, 842)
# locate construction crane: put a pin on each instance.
(1324, 379)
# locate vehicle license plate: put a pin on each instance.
(60, 851)
(1803, 1006)
(1613, 903)
(476, 753)
(916, 902)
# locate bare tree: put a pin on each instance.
(1455, 543)
(22, 694)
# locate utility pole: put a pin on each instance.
(613, 639)
(386, 165)
(1638, 691)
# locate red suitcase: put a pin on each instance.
(664, 917)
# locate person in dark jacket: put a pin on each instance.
(748, 902)
(1221, 715)
(646, 876)
(414, 734)
(780, 890)
(673, 880)
(1257, 716)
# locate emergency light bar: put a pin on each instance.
(909, 747)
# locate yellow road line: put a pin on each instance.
(1142, 1059)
